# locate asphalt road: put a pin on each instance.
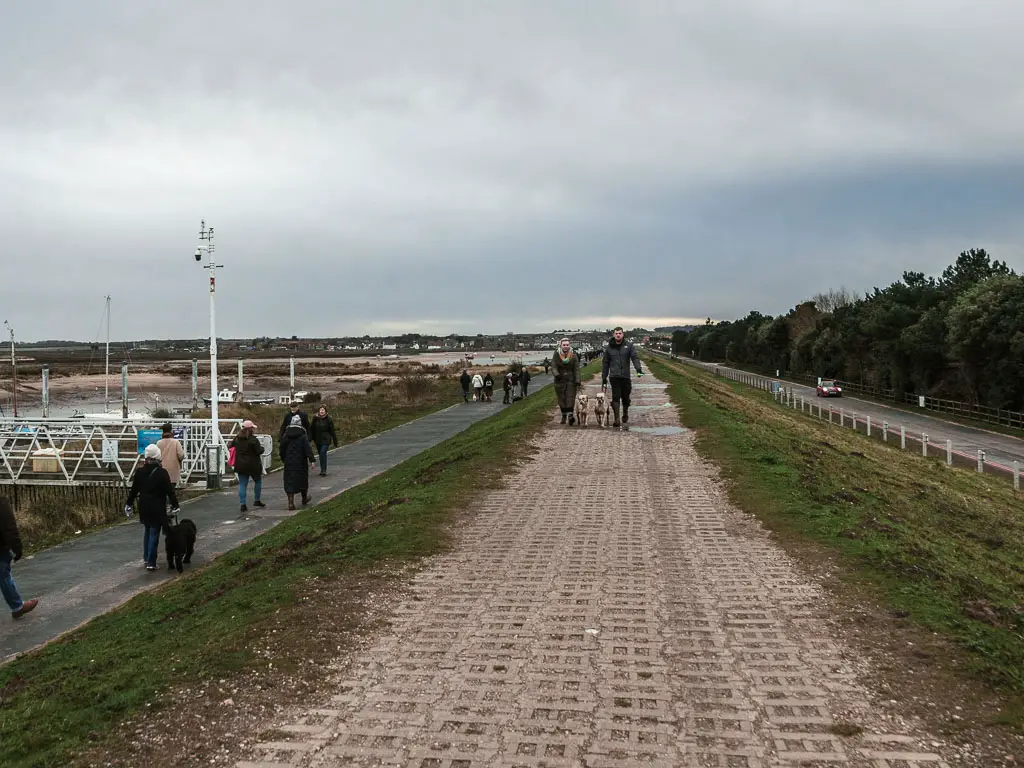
(1000, 450)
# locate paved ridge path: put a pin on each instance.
(87, 576)
(606, 609)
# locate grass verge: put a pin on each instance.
(220, 622)
(944, 547)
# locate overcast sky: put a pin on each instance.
(475, 166)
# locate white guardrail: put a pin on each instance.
(789, 398)
(101, 452)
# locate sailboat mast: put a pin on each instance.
(106, 372)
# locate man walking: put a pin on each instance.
(615, 368)
(286, 422)
(524, 380)
(10, 551)
(465, 380)
(322, 434)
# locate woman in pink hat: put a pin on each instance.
(248, 450)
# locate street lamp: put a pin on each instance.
(214, 447)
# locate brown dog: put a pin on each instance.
(602, 409)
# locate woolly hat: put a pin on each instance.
(152, 453)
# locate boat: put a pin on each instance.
(108, 414)
(232, 397)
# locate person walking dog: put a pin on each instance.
(153, 488)
(565, 364)
(618, 356)
(10, 552)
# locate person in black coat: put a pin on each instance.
(322, 434)
(153, 488)
(11, 551)
(297, 455)
(465, 380)
(287, 420)
(524, 380)
(248, 465)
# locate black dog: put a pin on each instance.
(181, 543)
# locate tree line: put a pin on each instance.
(959, 336)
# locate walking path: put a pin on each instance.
(607, 608)
(85, 577)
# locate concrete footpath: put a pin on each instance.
(606, 608)
(87, 576)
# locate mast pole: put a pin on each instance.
(106, 372)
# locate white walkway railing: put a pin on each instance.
(83, 452)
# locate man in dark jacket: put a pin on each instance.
(465, 380)
(618, 356)
(153, 488)
(322, 433)
(524, 380)
(287, 420)
(10, 551)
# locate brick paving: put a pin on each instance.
(607, 609)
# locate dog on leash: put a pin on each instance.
(602, 409)
(180, 539)
(582, 410)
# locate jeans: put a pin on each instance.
(151, 543)
(10, 592)
(243, 487)
(322, 450)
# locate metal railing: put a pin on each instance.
(83, 452)
(981, 413)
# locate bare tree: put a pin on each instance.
(833, 299)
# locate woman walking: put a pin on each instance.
(488, 386)
(565, 365)
(171, 453)
(321, 431)
(478, 387)
(248, 465)
(297, 455)
(152, 486)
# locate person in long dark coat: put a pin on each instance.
(153, 488)
(297, 455)
(565, 364)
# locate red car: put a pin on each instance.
(829, 388)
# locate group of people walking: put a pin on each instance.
(619, 356)
(515, 383)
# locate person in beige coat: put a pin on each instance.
(171, 454)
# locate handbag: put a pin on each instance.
(231, 456)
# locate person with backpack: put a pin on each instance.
(322, 434)
(618, 356)
(488, 386)
(153, 488)
(247, 464)
(10, 552)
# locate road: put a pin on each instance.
(1000, 450)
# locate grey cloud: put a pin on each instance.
(393, 163)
